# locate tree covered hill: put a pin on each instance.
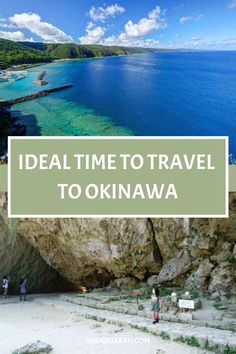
(14, 53)
(73, 51)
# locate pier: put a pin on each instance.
(35, 95)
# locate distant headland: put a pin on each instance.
(31, 53)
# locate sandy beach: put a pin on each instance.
(64, 327)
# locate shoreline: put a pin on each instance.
(9, 125)
(33, 65)
(154, 107)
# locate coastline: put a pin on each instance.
(9, 125)
(11, 120)
(32, 65)
(97, 94)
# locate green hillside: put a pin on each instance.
(14, 53)
(73, 51)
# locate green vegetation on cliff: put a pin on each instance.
(15, 53)
(74, 51)
(12, 53)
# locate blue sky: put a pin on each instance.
(202, 24)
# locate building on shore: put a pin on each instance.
(10, 75)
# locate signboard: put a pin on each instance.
(186, 304)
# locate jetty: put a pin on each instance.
(34, 95)
(40, 78)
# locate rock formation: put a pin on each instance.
(195, 253)
(35, 348)
(19, 259)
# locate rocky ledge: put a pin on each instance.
(193, 253)
(9, 126)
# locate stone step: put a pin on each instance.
(214, 340)
(104, 305)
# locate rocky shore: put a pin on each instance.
(9, 126)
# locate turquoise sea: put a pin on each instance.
(163, 93)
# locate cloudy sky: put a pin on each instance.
(199, 24)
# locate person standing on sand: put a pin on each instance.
(155, 301)
(5, 284)
(23, 289)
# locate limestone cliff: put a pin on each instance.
(19, 259)
(197, 253)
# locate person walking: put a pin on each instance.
(5, 285)
(23, 289)
(155, 301)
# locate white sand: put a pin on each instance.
(61, 325)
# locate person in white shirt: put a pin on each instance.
(5, 284)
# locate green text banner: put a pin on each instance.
(118, 177)
(3, 178)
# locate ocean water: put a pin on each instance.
(164, 93)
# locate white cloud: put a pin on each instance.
(124, 41)
(196, 39)
(194, 43)
(94, 34)
(232, 4)
(154, 21)
(102, 13)
(45, 30)
(14, 36)
(7, 25)
(185, 19)
(4, 23)
(199, 17)
(198, 43)
(134, 33)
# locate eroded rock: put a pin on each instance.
(174, 270)
(196, 253)
(200, 278)
(34, 348)
(20, 259)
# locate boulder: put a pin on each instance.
(223, 279)
(140, 307)
(200, 278)
(175, 269)
(153, 280)
(224, 252)
(34, 348)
